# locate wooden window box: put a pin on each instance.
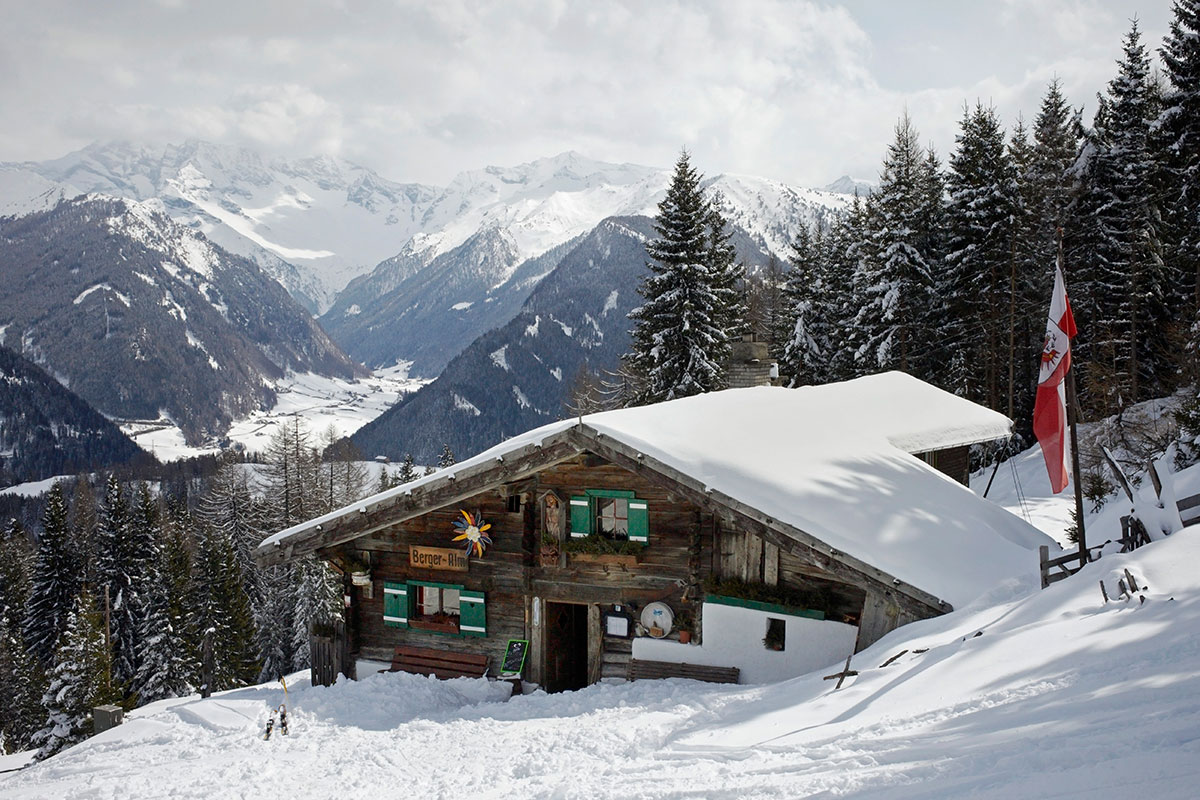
(450, 626)
(618, 559)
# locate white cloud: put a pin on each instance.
(800, 91)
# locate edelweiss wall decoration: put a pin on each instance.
(474, 530)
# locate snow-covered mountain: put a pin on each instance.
(519, 375)
(852, 186)
(318, 224)
(146, 318)
(313, 224)
(447, 288)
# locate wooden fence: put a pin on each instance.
(330, 652)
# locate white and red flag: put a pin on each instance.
(1050, 407)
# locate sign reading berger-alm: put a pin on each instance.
(437, 558)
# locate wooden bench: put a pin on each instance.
(640, 669)
(442, 664)
(1189, 510)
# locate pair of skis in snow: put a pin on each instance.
(283, 723)
(281, 712)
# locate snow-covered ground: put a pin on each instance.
(321, 402)
(1023, 693)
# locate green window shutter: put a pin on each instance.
(472, 613)
(639, 521)
(395, 605)
(581, 517)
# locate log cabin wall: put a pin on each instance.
(670, 568)
(499, 574)
(685, 546)
(953, 461)
(745, 557)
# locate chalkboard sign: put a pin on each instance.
(514, 657)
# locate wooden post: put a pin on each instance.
(1043, 565)
(1072, 418)
(108, 635)
(206, 664)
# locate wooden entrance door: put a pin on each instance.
(566, 629)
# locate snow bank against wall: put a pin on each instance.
(733, 637)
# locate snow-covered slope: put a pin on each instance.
(1026, 693)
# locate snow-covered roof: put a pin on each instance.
(833, 461)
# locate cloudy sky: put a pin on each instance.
(799, 91)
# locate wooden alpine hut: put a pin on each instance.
(751, 534)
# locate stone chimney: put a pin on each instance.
(749, 364)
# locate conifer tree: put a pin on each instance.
(1180, 127)
(941, 360)
(164, 669)
(893, 283)
(1056, 141)
(16, 566)
(844, 255)
(83, 522)
(55, 580)
(446, 457)
(80, 679)
(178, 556)
(1124, 274)
(728, 275)
(386, 480)
(1026, 277)
(274, 618)
(292, 469)
(221, 610)
(408, 470)
(20, 677)
(680, 338)
(805, 354)
(118, 578)
(342, 477)
(22, 684)
(318, 602)
(982, 210)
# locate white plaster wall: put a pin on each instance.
(733, 638)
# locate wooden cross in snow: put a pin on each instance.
(845, 673)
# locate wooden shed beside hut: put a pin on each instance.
(778, 529)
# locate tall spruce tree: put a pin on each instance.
(806, 318)
(893, 283)
(1026, 276)
(1179, 125)
(981, 211)
(80, 679)
(318, 603)
(164, 669)
(55, 581)
(221, 611)
(680, 339)
(118, 578)
(1123, 338)
(22, 684)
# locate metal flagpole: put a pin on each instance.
(1072, 417)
